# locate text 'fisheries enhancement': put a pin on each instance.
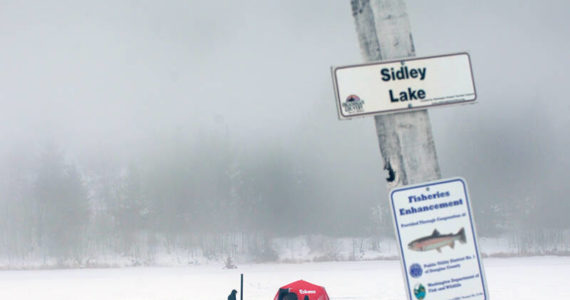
(429, 207)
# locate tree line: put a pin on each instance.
(203, 197)
(175, 195)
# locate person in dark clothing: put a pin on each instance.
(306, 297)
(232, 296)
(282, 293)
(290, 296)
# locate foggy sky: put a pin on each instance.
(108, 78)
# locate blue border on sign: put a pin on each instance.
(482, 275)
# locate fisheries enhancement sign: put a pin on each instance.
(400, 85)
(437, 241)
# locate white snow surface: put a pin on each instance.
(508, 278)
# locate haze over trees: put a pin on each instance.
(208, 128)
(205, 197)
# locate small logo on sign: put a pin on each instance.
(416, 270)
(353, 104)
(419, 291)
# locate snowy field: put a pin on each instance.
(508, 278)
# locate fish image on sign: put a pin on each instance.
(436, 241)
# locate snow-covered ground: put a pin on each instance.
(508, 278)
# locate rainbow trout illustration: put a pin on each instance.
(437, 241)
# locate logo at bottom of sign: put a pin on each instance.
(419, 291)
(353, 104)
(416, 270)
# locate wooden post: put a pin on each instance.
(405, 139)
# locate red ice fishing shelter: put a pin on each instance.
(301, 289)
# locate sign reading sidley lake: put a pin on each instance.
(408, 84)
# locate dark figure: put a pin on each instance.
(290, 296)
(306, 297)
(232, 296)
(282, 293)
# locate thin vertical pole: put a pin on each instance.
(405, 139)
(241, 288)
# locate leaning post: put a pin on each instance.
(405, 139)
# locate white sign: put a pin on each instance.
(437, 241)
(392, 86)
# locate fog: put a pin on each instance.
(145, 122)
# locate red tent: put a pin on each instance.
(301, 289)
